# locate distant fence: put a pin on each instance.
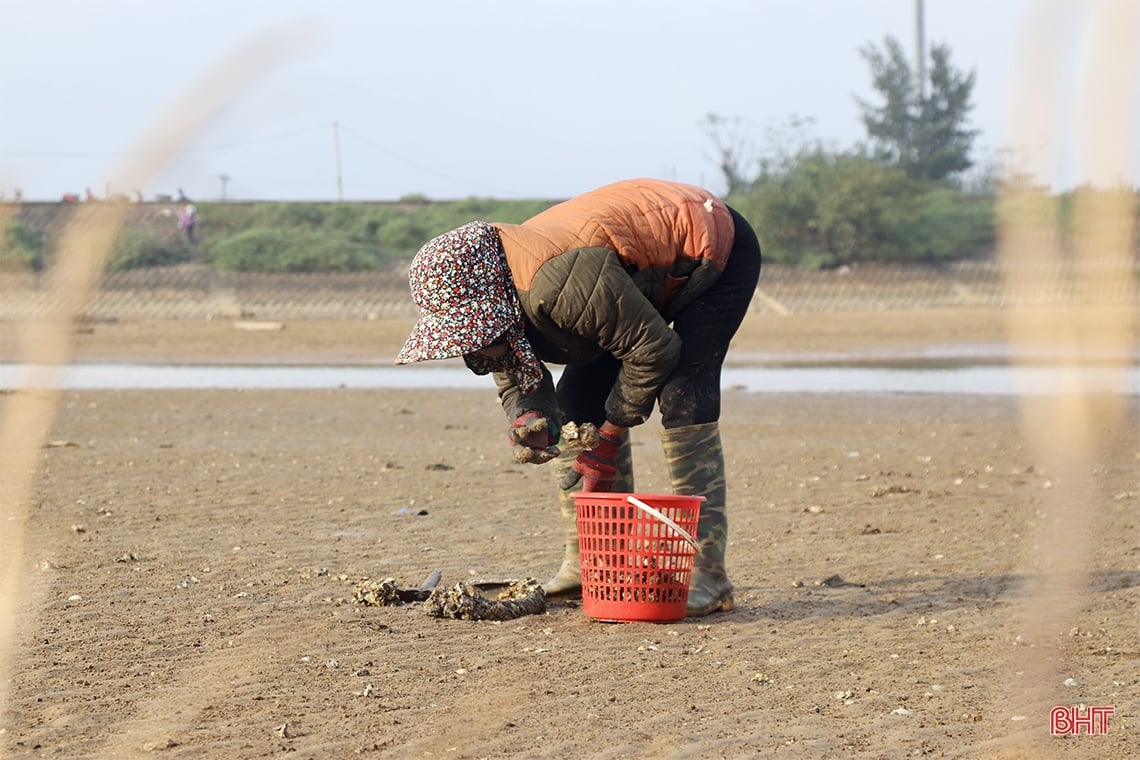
(197, 292)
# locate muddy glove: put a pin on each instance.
(597, 467)
(534, 438)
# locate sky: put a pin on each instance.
(381, 99)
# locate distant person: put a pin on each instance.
(637, 288)
(187, 220)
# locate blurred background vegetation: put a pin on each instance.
(821, 211)
(912, 192)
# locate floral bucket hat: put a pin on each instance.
(463, 287)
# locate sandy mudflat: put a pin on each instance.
(191, 558)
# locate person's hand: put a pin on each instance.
(533, 441)
(596, 467)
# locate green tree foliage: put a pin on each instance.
(824, 208)
(897, 199)
(926, 135)
(264, 249)
(134, 248)
(951, 225)
(294, 237)
(21, 247)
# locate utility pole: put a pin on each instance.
(225, 178)
(339, 176)
(920, 51)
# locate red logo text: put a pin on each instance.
(1069, 720)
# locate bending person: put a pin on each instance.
(637, 288)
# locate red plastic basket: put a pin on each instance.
(635, 567)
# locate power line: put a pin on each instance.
(184, 151)
(403, 159)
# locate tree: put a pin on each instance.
(741, 164)
(731, 145)
(925, 135)
(831, 208)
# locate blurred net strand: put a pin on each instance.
(83, 251)
(1065, 431)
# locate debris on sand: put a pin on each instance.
(470, 600)
(387, 593)
(467, 601)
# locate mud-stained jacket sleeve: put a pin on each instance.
(586, 295)
(543, 401)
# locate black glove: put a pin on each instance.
(533, 439)
(597, 467)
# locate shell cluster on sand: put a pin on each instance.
(467, 601)
(492, 600)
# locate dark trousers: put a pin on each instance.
(691, 394)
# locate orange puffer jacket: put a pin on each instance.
(649, 223)
(606, 272)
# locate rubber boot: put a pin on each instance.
(695, 460)
(567, 582)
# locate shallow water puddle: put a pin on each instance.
(970, 379)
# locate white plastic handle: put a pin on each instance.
(656, 513)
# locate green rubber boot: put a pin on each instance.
(695, 460)
(567, 582)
